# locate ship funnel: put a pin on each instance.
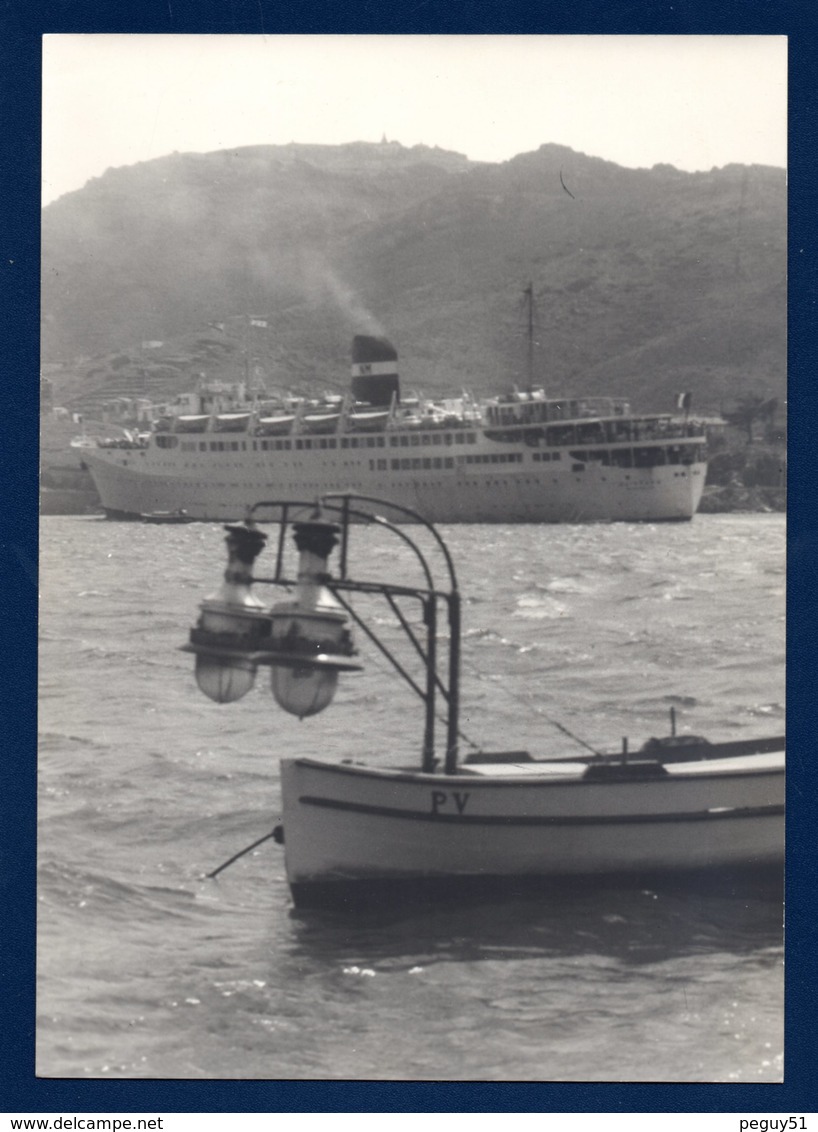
(374, 370)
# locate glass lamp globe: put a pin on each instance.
(224, 680)
(303, 691)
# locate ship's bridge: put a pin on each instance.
(534, 408)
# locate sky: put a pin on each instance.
(694, 102)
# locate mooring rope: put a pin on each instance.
(539, 711)
(242, 852)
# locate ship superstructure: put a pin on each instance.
(518, 457)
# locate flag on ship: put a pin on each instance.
(684, 401)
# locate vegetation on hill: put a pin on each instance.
(646, 282)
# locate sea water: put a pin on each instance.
(146, 969)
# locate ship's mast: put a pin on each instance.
(246, 353)
(529, 295)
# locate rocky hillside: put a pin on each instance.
(646, 282)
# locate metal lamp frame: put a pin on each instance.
(343, 508)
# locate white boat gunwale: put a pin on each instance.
(571, 777)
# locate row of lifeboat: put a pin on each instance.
(318, 419)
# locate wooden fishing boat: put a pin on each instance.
(679, 805)
(180, 516)
(527, 820)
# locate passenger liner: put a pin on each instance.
(516, 458)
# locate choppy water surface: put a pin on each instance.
(147, 970)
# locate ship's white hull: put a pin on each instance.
(220, 486)
(347, 826)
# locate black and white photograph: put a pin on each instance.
(413, 551)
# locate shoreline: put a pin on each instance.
(737, 498)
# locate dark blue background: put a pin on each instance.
(22, 23)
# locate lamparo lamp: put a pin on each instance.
(305, 641)
(233, 624)
(311, 641)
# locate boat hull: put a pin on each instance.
(217, 485)
(346, 827)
